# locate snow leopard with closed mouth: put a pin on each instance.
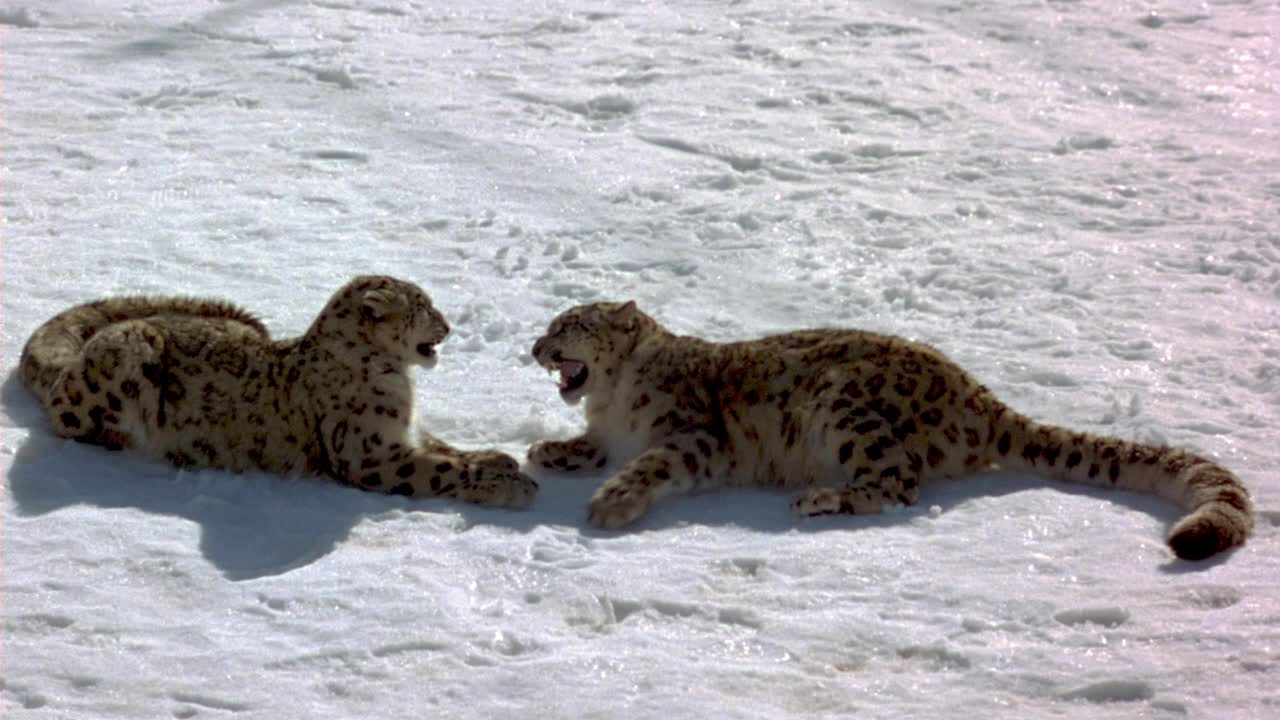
(200, 384)
(854, 420)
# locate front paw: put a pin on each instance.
(829, 501)
(617, 504)
(565, 456)
(549, 454)
(493, 461)
(818, 501)
(501, 487)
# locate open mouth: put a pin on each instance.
(573, 375)
(426, 350)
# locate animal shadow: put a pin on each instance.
(252, 524)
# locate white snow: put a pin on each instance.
(1078, 201)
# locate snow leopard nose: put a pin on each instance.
(540, 352)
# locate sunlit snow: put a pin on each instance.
(1079, 201)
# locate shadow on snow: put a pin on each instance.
(256, 524)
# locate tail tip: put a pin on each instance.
(1194, 546)
(1198, 540)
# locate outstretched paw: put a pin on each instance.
(500, 487)
(565, 455)
(829, 501)
(617, 503)
(492, 461)
(819, 501)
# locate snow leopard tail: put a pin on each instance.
(1219, 513)
(59, 342)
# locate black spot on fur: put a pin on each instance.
(971, 437)
(405, 470)
(905, 430)
(1002, 446)
(1212, 476)
(180, 459)
(937, 388)
(875, 384)
(206, 448)
(874, 452)
(153, 373)
(915, 462)
(1051, 454)
(846, 451)
(372, 480)
(444, 467)
(402, 489)
(690, 462)
(935, 456)
(867, 426)
(888, 411)
(1074, 459)
(1234, 497)
(953, 433)
(70, 420)
(932, 416)
(1179, 461)
(1031, 452)
(1113, 473)
(338, 438)
(1094, 469)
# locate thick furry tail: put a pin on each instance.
(59, 342)
(1219, 512)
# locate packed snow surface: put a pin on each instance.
(1077, 200)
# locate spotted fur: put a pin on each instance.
(854, 419)
(200, 384)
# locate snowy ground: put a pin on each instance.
(1077, 200)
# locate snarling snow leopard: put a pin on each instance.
(200, 384)
(856, 420)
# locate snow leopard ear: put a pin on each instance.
(378, 304)
(625, 314)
